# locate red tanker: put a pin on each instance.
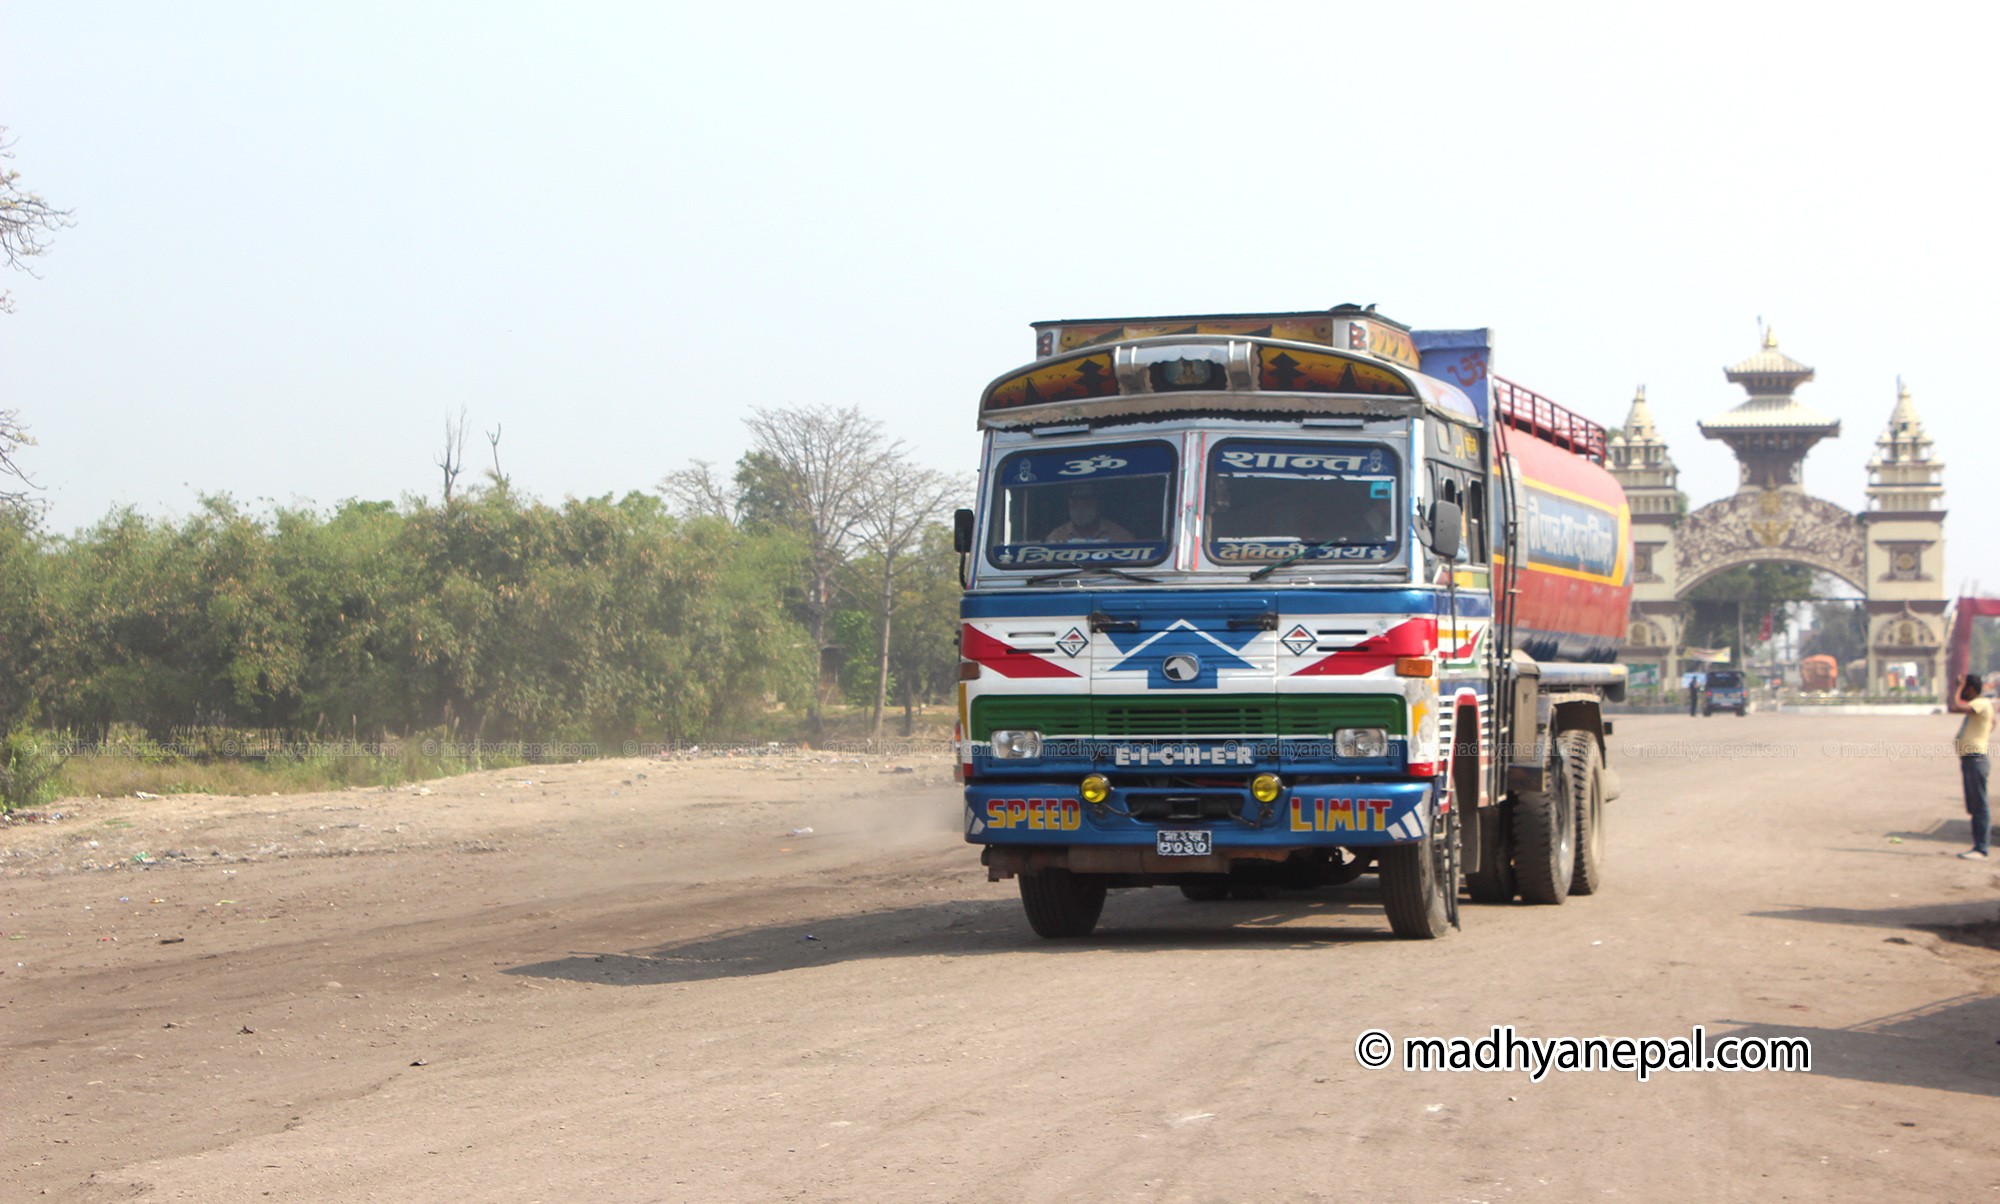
(1574, 575)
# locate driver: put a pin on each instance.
(1087, 523)
(1371, 524)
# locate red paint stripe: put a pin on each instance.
(1412, 637)
(1548, 602)
(1005, 659)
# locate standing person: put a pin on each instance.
(1970, 744)
(1694, 692)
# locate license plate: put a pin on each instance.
(1184, 842)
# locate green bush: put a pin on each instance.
(29, 763)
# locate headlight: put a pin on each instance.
(1361, 742)
(1017, 745)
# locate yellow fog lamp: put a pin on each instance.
(1265, 787)
(1095, 789)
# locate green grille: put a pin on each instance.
(1051, 715)
(1228, 715)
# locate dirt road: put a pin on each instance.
(633, 981)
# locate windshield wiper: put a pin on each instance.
(1297, 556)
(1092, 568)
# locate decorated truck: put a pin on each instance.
(1270, 601)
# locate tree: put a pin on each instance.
(1839, 630)
(452, 458)
(923, 658)
(14, 437)
(26, 221)
(1746, 593)
(697, 492)
(1985, 658)
(812, 468)
(899, 501)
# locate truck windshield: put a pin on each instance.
(1268, 501)
(1075, 507)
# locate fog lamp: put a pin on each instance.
(1095, 789)
(1265, 787)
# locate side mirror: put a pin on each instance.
(1447, 526)
(961, 531)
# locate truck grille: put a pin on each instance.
(1244, 715)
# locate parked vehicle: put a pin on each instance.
(1724, 690)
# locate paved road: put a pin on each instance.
(634, 982)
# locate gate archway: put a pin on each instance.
(1766, 526)
(1891, 552)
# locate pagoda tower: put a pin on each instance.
(1637, 456)
(1905, 524)
(1773, 430)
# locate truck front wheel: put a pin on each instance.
(1062, 904)
(1417, 886)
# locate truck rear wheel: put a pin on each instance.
(1417, 886)
(1583, 779)
(1545, 839)
(1062, 904)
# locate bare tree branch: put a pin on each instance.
(26, 221)
(13, 437)
(452, 458)
(493, 441)
(698, 492)
(898, 501)
(825, 459)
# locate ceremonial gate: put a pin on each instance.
(1891, 552)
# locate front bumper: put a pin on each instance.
(1332, 815)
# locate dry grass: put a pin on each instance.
(132, 764)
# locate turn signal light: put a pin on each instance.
(1095, 789)
(968, 670)
(1265, 787)
(1415, 666)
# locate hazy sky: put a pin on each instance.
(306, 232)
